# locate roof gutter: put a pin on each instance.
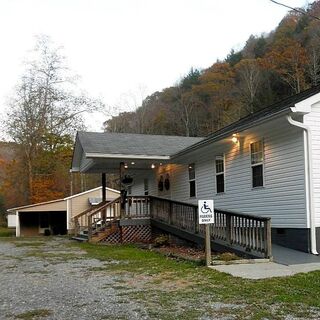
(309, 182)
(126, 156)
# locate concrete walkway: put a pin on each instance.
(286, 262)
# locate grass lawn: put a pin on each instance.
(170, 289)
(5, 232)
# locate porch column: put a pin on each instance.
(104, 195)
(122, 191)
(104, 186)
(17, 224)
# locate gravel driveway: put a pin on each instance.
(51, 280)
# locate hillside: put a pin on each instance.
(269, 68)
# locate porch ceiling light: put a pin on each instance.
(234, 138)
(126, 166)
(153, 166)
(132, 163)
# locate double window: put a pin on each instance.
(192, 180)
(220, 174)
(257, 158)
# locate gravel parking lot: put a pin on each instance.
(51, 280)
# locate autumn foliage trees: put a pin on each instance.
(268, 68)
(43, 115)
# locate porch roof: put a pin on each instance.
(95, 150)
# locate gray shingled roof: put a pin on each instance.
(133, 144)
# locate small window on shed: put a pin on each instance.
(219, 174)
(192, 180)
(257, 158)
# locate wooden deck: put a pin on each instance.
(245, 234)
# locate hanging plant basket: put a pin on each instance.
(127, 180)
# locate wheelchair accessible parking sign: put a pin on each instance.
(206, 211)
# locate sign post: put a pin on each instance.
(206, 216)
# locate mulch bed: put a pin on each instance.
(185, 253)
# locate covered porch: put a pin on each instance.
(134, 218)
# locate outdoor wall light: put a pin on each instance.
(126, 166)
(234, 138)
(132, 163)
(153, 166)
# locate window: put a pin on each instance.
(146, 186)
(257, 163)
(219, 174)
(192, 180)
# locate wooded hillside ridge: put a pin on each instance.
(269, 68)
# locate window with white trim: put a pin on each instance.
(257, 158)
(219, 174)
(192, 180)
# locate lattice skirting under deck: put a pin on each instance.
(130, 234)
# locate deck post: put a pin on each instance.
(196, 220)
(268, 239)
(89, 227)
(228, 229)
(122, 191)
(170, 213)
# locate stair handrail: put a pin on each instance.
(104, 206)
(103, 218)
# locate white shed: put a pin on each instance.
(54, 217)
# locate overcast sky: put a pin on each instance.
(130, 47)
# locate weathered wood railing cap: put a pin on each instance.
(237, 214)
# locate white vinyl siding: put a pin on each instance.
(313, 121)
(139, 179)
(282, 199)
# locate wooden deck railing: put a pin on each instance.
(99, 218)
(96, 218)
(246, 233)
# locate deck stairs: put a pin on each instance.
(241, 233)
(80, 237)
(108, 230)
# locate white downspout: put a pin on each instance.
(309, 166)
